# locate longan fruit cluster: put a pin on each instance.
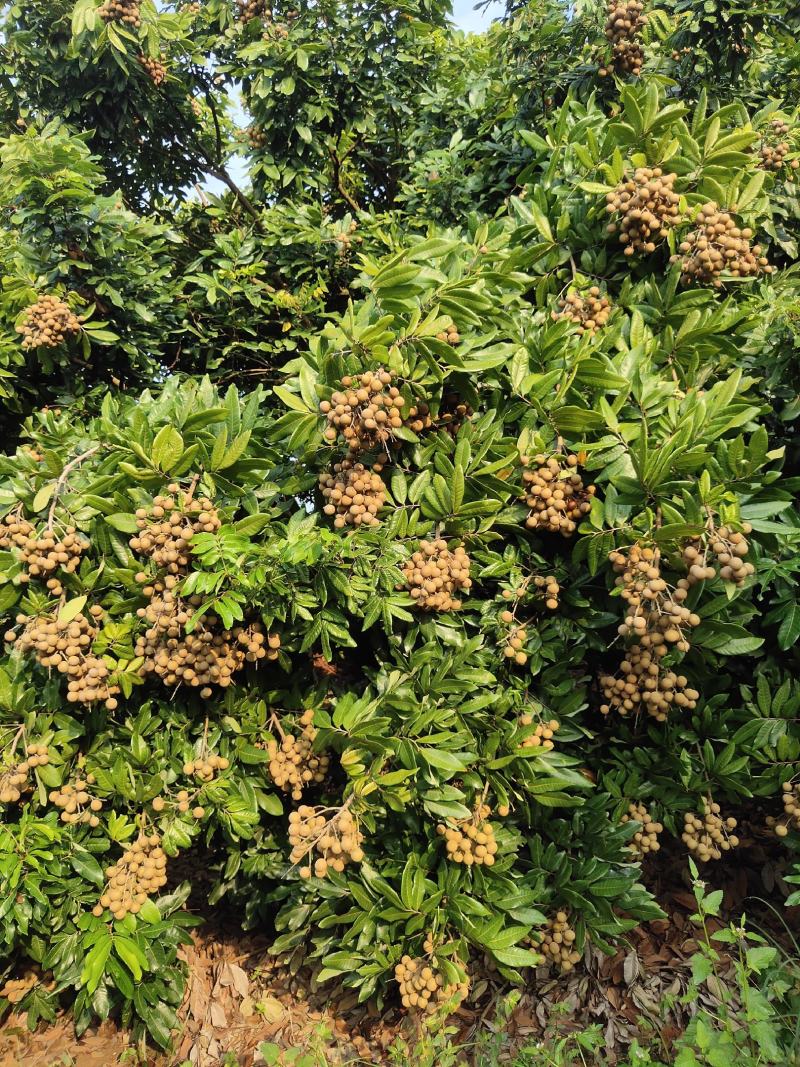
(293, 764)
(624, 21)
(547, 588)
(15, 777)
(121, 11)
(251, 9)
(365, 411)
(708, 837)
(471, 841)
(645, 840)
(648, 205)
(644, 685)
(590, 312)
(773, 157)
(204, 768)
(718, 245)
(156, 69)
(182, 803)
(204, 657)
(167, 527)
(256, 137)
(354, 493)
(77, 804)
(555, 493)
(790, 794)
(656, 615)
(557, 943)
(44, 553)
(515, 642)
(453, 413)
(434, 576)
(450, 336)
(730, 547)
(16, 989)
(337, 839)
(48, 323)
(66, 646)
(191, 9)
(422, 988)
(140, 872)
(344, 239)
(542, 737)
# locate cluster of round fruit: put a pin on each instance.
(434, 576)
(555, 493)
(648, 204)
(140, 872)
(422, 988)
(590, 312)
(337, 839)
(167, 527)
(472, 841)
(548, 589)
(718, 245)
(791, 810)
(256, 137)
(204, 657)
(624, 21)
(294, 764)
(77, 803)
(15, 777)
(190, 9)
(354, 494)
(42, 554)
(730, 547)
(453, 413)
(182, 803)
(66, 647)
(708, 836)
(773, 157)
(656, 616)
(365, 411)
(645, 685)
(156, 69)
(205, 768)
(48, 323)
(344, 239)
(252, 9)
(16, 989)
(515, 639)
(450, 336)
(557, 943)
(126, 11)
(645, 840)
(542, 737)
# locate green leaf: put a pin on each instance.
(167, 448)
(71, 610)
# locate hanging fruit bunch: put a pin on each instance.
(589, 312)
(435, 576)
(707, 835)
(42, 553)
(15, 774)
(365, 411)
(156, 69)
(471, 841)
(543, 734)
(718, 247)
(647, 205)
(293, 764)
(77, 803)
(48, 323)
(126, 11)
(333, 833)
(773, 155)
(557, 943)
(790, 820)
(555, 493)
(137, 875)
(645, 840)
(167, 526)
(65, 644)
(354, 494)
(624, 22)
(423, 988)
(252, 9)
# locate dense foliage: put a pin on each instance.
(402, 545)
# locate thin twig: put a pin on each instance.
(73, 463)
